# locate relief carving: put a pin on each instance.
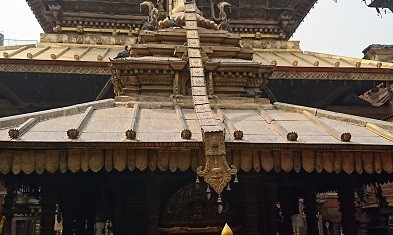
(217, 173)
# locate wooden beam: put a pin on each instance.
(291, 136)
(131, 133)
(344, 137)
(74, 132)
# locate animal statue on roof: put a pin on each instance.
(153, 13)
(222, 19)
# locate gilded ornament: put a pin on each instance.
(328, 161)
(368, 162)
(141, 159)
(85, 155)
(173, 161)
(217, 174)
(297, 161)
(318, 162)
(308, 160)
(6, 161)
(277, 160)
(130, 134)
(287, 160)
(74, 160)
(52, 161)
(131, 155)
(186, 134)
(17, 162)
(153, 159)
(108, 156)
(183, 159)
(377, 163)
(348, 162)
(387, 162)
(28, 162)
(292, 136)
(120, 159)
(346, 137)
(63, 161)
(96, 160)
(40, 162)
(246, 160)
(337, 162)
(267, 160)
(358, 162)
(255, 161)
(163, 160)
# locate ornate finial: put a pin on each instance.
(226, 230)
(238, 135)
(13, 133)
(292, 136)
(72, 133)
(346, 137)
(130, 134)
(186, 134)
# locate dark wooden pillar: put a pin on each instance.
(347, 207)
(289, 201)
(270, 198)
(310, 208)
(250, 222)
(48, 207)
(152, 204)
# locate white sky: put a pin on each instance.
(344, 28)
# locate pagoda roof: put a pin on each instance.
(291, 62)
(158, 125)
(277, 19)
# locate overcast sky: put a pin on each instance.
(343, 28)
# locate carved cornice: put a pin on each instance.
(46, 68)
(314, 75)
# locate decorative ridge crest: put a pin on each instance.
(216, 171)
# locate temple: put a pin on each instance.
(170, 117)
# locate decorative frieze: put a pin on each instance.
(257, 160)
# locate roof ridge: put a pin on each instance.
(363, 121)
(53, 113)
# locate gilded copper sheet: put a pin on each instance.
(109, 124)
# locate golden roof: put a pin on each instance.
(159, 138)
(94, 59)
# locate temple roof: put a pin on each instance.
(327, 141)
(291, 62)
(277, 19)
(160, 122)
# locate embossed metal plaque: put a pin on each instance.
(192, 34)
(195, 62)
(194, 53)
(198, 90)
(200, 99)
(197, 81)
(197, 72)
(193, 43)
